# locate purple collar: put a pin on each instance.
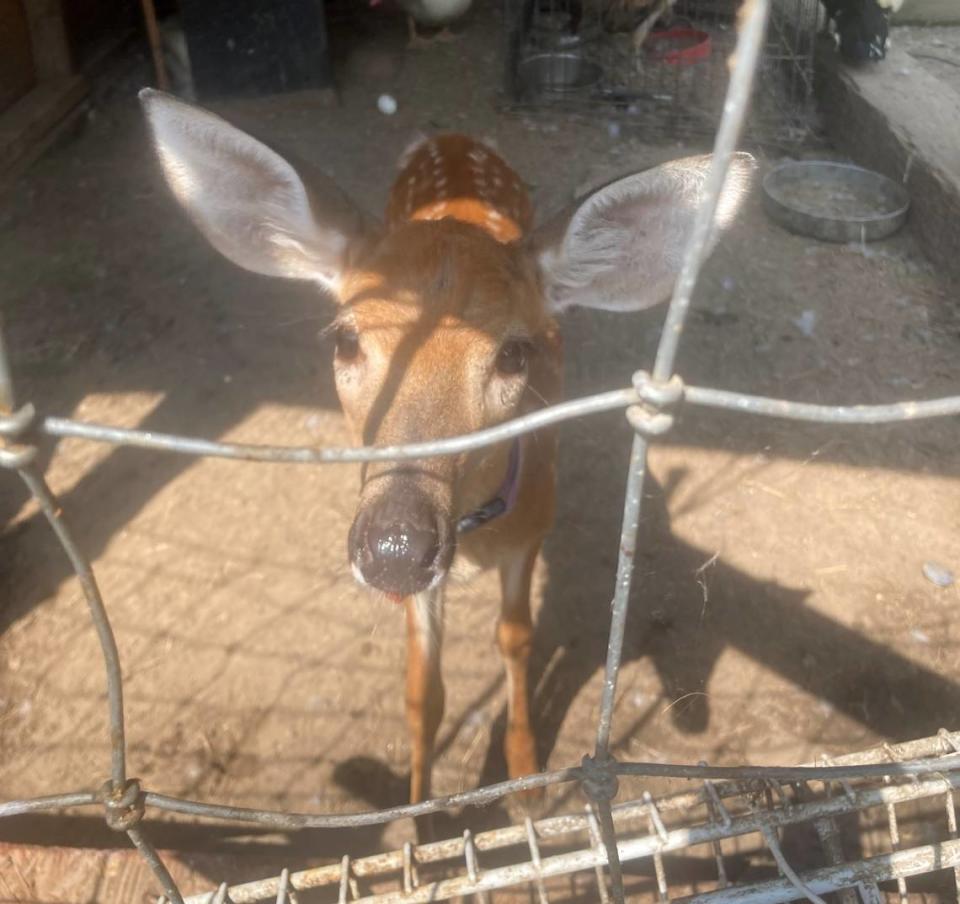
(503, 502)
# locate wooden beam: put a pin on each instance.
(51, 52)
(36, 120)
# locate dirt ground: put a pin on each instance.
(781, 610)
(936, 48)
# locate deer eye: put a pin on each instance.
(348, 343)
(512, 357)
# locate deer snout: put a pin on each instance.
(398, 543)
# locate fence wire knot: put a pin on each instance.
(598, 778)
(649, 418)
(15, 455)
(123, 805)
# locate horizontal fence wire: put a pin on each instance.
(892, 413)
(480, 797)
(649, 405)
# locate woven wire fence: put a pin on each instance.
(608, 58)
(648, 404)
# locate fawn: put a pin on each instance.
(445, 326)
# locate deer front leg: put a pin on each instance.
(424, 685)
(514, 637)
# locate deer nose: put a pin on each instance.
(399, 544)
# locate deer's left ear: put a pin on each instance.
(621, 248)
(252, 205)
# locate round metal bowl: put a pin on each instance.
(836, 202)
(559, 72)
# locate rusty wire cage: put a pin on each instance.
(768, 839)
(659, 67)
(747, 805)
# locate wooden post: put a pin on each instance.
(156, 48)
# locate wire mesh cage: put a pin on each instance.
(775, 836)
(660, 65)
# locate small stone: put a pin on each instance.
(938, 574)
(475, 719)
(387, 104)
(806, 323)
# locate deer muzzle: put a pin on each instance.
(399, 543)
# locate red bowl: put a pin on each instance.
(679, 46)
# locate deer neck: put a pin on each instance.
(456, 177)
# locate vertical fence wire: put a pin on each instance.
(111, 657)
(160, 871)
(7, 402)
(54, 515)
(746, 54)
(753, 20)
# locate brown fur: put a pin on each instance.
(444, 329)
(457, 176)
(434, 299)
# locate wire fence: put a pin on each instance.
(749, 817)
(619, 59)
(648, 405)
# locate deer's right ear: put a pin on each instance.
(621, 248)
(248, 201)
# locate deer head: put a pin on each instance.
(446, 311)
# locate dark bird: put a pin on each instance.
(861, 27)
(549, 16)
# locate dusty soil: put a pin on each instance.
(781, 610)
(936, 48)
